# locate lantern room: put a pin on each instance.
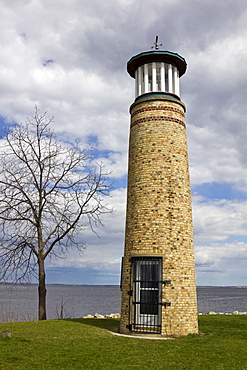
(157, 72)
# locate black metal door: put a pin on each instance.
(147, 294)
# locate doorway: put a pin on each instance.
(147, 294)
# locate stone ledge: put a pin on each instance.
(224, 313)
(140, 336)
(99, 316)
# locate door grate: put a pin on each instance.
(147, 294)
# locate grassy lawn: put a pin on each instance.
(88, 344)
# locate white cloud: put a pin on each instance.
(219, 263)
(106, 248)
(218, 220)
(215, 86)
(216, 156)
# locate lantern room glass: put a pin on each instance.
(157, 76)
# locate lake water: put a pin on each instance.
(19, 303)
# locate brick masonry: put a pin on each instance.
(159, 211)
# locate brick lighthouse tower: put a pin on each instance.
(158, 272)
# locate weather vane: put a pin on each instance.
(156, 45)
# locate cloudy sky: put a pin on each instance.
(69, 58)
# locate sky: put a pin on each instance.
(69, 58)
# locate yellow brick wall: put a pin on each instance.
(159, 212)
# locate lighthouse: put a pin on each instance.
(158, 272)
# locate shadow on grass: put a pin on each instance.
(108, 324)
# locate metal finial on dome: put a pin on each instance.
(156, 45)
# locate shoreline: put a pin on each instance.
(117, 285)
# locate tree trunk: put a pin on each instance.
(42, 289)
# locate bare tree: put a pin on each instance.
(49, 193)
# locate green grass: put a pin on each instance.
(88, 344)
